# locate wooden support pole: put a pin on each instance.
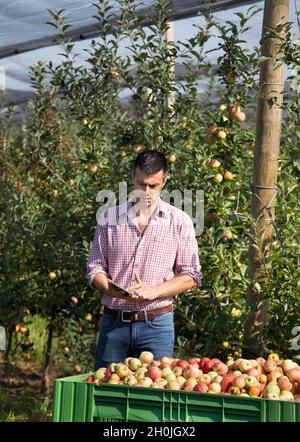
(265, 168)
(170, 39)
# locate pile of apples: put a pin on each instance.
(271, 378)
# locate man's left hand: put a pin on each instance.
(141, 291)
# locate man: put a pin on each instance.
(140, 245)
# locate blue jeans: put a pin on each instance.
(119, 340)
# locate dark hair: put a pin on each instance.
(150, 162)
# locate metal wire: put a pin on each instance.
(268, 207)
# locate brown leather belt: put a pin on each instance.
(126, 316)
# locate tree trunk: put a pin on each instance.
(265, 167)
(45, 386)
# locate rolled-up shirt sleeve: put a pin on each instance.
(97, 260)
(187, 258)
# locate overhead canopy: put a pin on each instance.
(25, 37)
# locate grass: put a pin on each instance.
(26, 407)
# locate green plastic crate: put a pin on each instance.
(79, 401)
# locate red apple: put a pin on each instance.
(173, 385)
(154, 373)
(220, 368)
(201, 387)
(294, 374)
(234, 390)
(182, 363)
(253, 372)
(284, 383)
(90, 378)
(205, 379)
(270, 365)
(239, 382)
(190, 371)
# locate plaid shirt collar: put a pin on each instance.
(160, 211)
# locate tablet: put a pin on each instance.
(119, 288)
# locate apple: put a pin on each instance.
(162, 382)
(52, 275)
(114, 72)
(240, 116)
(90, 378)
(146, 357)
(284, 383)
(255, 391)
(237, 373)
(294, 374)
(239, 382)
(77, 368)
(288, 364)
(137, 148)
(130, 380)
(201, 387)
(165, 371)
(133, 363)
(233, 109)
(218, 178)
(222, 107)
(261, 361)
(205, 365)
(227, 234)
(270, 365)
(146, 382)
(155, 385)
(214, 387)
(171, 158)
(234, 390)
(170, 377)
(205, 379)
(272, 387)
(190, 371)
(213, 164)
(177, 371)
(271, 396)
(274, 375)
(114, 377)
(244, 395)
(221, 134)
(165, 364)
(173, 385)
(165, 359)
(228, 176)
(194, 361)
(140, 373)
(92, 168)
(111, 381)
(74, 299)
(212, 374)
(231, 77)
(100, 373)
(286, 396)
(254, 372)
(23, 329)
(154, 373)
(212, 128)
(181, 380)
(227, 381)
(220, 368)
(251, 381)
(182, 363)
(297, 398)
(87, 317)
(108, 373)
(245, 365)
(263, 379)
(156, 363)
(273, 357)
(218, 379)
(191, 382)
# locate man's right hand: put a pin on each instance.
(101, 282)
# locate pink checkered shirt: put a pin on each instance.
(167, 246)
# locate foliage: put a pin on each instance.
(77, 120)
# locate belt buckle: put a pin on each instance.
(122, 317)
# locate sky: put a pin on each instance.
(14, 70)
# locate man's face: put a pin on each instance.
(149, 186)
